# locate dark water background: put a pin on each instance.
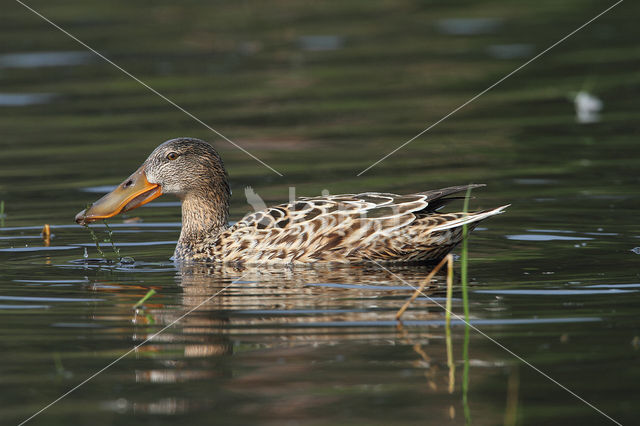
(320, 91)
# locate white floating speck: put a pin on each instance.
(588, 107)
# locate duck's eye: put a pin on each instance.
(172, 156)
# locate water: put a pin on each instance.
(320, 92)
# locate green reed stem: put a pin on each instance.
(144, 299)
(57, 362)
(2, 213)
(464, 258)
(448, 302)
(465, 376)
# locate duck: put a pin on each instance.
(347, 228)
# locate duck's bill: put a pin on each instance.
(134, 192)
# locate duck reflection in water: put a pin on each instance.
(275, 333)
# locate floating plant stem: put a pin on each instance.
(116, 250)
(46, 234)
(144, 299)
(2, 213)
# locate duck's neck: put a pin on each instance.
(204, 216)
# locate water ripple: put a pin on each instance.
(47, 299)
(545, 237)
(554, 292)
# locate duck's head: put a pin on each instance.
(185, 167)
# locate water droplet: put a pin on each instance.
(86, 254)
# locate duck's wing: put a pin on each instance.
(382, 207)
(313, 229)
(306, 209)
(341, 228)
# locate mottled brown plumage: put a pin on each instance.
(347, 228)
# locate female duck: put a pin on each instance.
(346, 228)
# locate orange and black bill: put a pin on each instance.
(133, 192)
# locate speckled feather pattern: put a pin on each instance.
(347, 228)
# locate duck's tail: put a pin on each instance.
(469, 218)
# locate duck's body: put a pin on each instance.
(348, 228)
